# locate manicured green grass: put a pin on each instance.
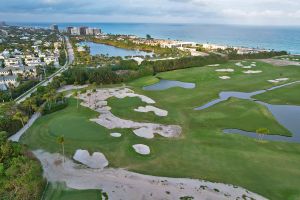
(288, 95)
(58, 191)
(203, 151)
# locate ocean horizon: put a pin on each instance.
(264, 37)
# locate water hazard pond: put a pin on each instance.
(96, 48)
(166, 84)
(287, 115)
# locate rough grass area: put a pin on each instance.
(58, 191)
(203, 151)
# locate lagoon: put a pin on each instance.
(98, 49)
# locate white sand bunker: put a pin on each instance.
(252, 71)
(157, 111)
(96, 161)
(116, 135)
(278, 80)
(141, 149)
(98, 101)
(224, 77)
(239, 64)
(225, 70)
(214, 65)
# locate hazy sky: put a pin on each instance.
(259, 12)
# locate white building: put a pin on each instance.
(12, 62)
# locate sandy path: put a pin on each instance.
(125, 185)
(16, 137)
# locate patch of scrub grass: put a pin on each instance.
(59, 191)
(283, 96)
(203, 152)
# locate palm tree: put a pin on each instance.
(30, 104)
(61, 141)
(21, 117)
(89, 95)
(261, 132)
(76, 95)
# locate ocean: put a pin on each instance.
(268, 37)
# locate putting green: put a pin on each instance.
(203, 151)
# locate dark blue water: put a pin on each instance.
(278, 38)
(112, 51)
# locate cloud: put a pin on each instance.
(181, 11)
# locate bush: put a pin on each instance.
(54, 107)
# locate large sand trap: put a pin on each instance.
(214, 65)
(98, 101)
(225, 70)
(116, 135)
(141, 149)
(252, 71)
(224, 77)
(95, 161)
(157, 111)
(125, 185)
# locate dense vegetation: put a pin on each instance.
(20, 174)
(128, 69)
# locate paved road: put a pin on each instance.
(70, 60)
(36, 115)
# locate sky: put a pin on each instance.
(247, 12)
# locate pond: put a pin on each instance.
(104, 49)
(287, 115)
(166, 84)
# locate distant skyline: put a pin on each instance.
(254, 12)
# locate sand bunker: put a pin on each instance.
(225, 70)
(224, 77)
(239, 64)
(96, 161)
(141, 149)
(116, 135)
(214, 65)
(98, 101)
(278, 80)
(122, 184)
(252, 71)
(157, 111)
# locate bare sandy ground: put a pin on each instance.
(71, 87)
(280, 63)
(125, 185)
(98, 101)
